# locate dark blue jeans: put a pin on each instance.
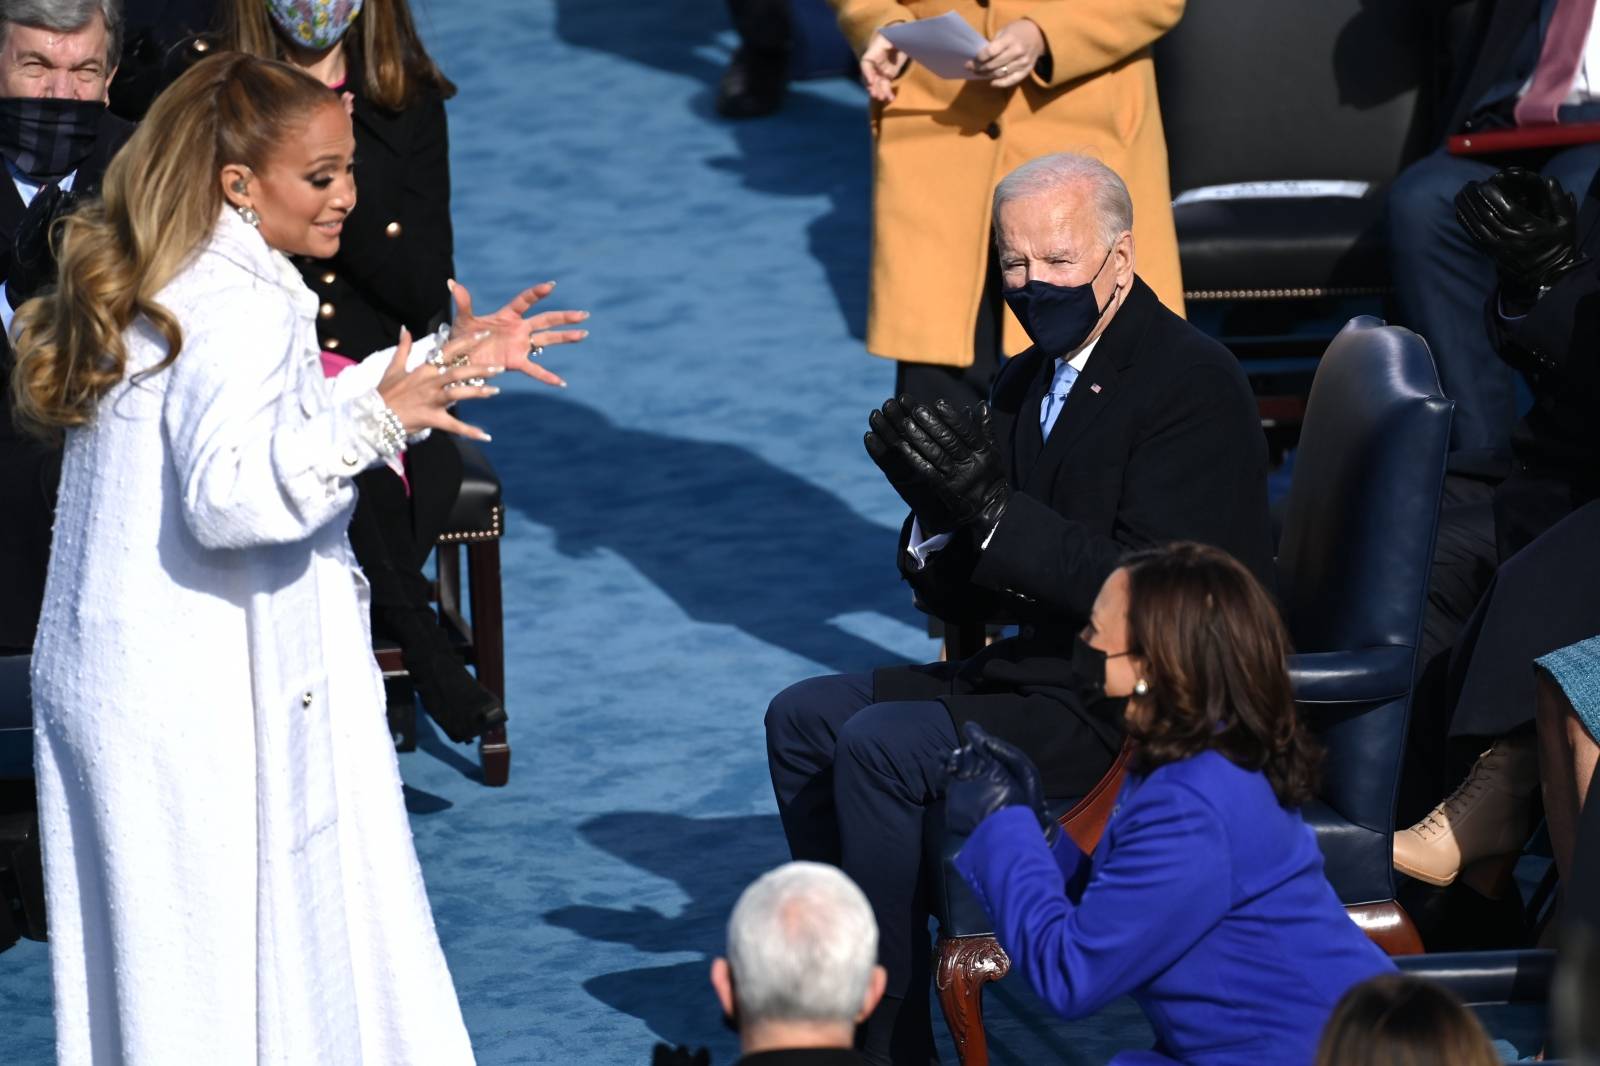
(853, 780)
(1442, 281)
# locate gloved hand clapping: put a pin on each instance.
(1526, 223)
(987, 774)
(889, 450)
(946, 457)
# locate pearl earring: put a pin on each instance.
(1141, 687)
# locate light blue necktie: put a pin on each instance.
(1054, 400)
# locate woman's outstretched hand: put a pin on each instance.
(514, 342)
(421, 398)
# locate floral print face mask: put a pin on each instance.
(314, 24)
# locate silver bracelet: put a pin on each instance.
(389, 433)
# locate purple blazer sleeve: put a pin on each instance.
(1161, 883)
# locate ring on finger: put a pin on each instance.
(536, 351)
(1005, 69)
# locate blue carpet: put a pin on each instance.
(692, 527)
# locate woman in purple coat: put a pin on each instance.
(1205, 898)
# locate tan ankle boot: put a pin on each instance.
(1491, 813)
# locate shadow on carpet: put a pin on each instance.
(732, 539)
(681, 37)
(711, 860)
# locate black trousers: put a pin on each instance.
(763, 25)
(853, 779)
(393, 531)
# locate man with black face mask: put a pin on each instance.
(1122, 427)
(57, 58)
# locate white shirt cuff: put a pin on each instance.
(920, 547)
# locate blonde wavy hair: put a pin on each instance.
(158, 203)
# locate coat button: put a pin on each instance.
(993, 130)
(305, 701)
(392, 230)
(332, 344)
(325, 311)
(329, 278)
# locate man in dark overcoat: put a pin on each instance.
(1121, 428)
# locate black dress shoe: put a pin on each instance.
(464, 709)
(754, 84)
(453, 698)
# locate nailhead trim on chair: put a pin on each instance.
(492, 533)
(1285, 294)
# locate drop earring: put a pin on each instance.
(249, 214)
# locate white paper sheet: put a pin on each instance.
(944, 45)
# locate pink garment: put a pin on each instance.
(334, 364)
(1564, 42)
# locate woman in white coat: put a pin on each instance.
(230, 872)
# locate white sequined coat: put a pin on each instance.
(230, 871)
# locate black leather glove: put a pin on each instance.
(887, 448)
(987, 774)
(33, 260)
(956, 455)
(1526, 223)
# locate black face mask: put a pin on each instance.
(47, 138)
(1089, 669)
(1059, 318)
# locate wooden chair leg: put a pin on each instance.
(489, 648)
(1387, 925)
(966, 964)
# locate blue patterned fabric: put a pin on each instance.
(1054, 400)
(1576, 668)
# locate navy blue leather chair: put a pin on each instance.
(1352, 571)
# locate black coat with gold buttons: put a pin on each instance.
(395, 255)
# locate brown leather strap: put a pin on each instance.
(1088, 817)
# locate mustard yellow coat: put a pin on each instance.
(942, 146)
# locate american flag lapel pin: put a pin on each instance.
(1094, 388)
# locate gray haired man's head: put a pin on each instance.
(802, 946)
(65, 16)
(1108, 194)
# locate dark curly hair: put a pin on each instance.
(1216, 662)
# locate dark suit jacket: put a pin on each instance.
(1159, 441)
(30, 470)
(396, 251)
(804, 1057)
(1556, 346)
(1493, 54)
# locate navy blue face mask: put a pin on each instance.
(1059, 318)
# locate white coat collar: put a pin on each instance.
(240, 243)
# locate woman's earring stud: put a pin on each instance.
(249, 215)
(1141, 687)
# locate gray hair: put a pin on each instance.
(802, 943)
(66, 16)
(1113, 207)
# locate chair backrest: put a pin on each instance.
(16, 719)
(1363, 508)
(1269, 90)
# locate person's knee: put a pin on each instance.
(799, 710)
(1421, 199)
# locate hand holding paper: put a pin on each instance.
(946, 45)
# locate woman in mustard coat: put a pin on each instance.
(1057, 76)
